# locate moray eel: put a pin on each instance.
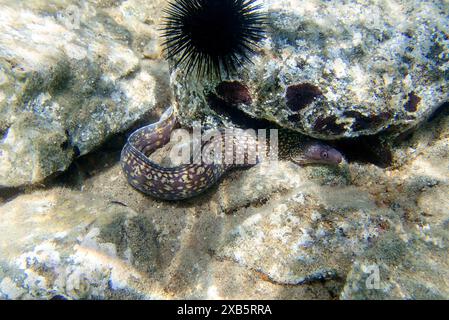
(188, 180)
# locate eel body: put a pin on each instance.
(188, 180)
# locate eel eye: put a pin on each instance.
(324, 155)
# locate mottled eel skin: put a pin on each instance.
(188, 180)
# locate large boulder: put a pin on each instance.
(71, 76)
(333, 69)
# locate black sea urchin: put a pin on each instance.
(212, 36)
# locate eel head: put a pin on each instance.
(320, 153)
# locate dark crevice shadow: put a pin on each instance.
(365, 149)
(8, 194)
(100, 159)
(374, 149)
(441, 111)
(82, 167)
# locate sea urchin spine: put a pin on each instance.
(212, 36)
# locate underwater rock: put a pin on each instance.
(83, 245)
(412, 263)
(64, 243)
(268, 232)
(76, 68)
(334, 69)
(307, 232)
(32, 150)
(271, 231)
(399, 269)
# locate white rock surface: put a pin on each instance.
(333, 69)
(73, 68)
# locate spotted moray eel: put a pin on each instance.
(188, 180)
